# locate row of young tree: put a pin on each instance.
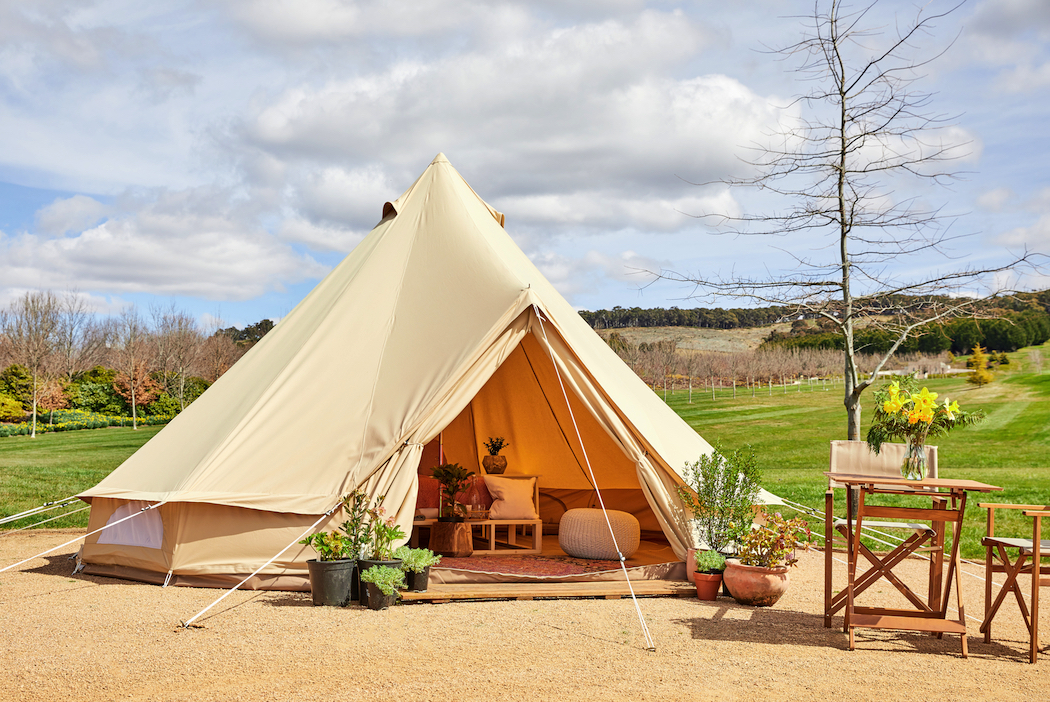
(55, 353)
(663, 365)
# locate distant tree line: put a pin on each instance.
(56, 354)
(1008, 332)
(1005, 324)
(714, 318)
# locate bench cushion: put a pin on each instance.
(512, 498)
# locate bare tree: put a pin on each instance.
(81, 340)
(31, 328)
(218, 356)
(134, 357)
(691, 366)
(866, 130)
(179, 347)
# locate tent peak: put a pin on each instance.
(440, 158)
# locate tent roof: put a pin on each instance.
(382, 342)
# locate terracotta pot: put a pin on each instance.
(494, 465)
(707, 585)
(690, 563)
(755, 585)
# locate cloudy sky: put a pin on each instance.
(226, 154)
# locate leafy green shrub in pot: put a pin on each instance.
(720, 491)
(387, 579)
(710, 562)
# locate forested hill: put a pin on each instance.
(733, 318)
(715, 318)
(1007, 323)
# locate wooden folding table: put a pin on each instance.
(948, 507)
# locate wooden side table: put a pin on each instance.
(949, 507)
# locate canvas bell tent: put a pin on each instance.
(435, 325)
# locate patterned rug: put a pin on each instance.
(536, 566)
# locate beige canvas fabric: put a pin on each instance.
(437, 323)
(854, 457)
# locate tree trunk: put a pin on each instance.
(134, 416)
(32, 434)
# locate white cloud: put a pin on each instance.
(180, 243)
(70, 214)
(995, 200)
(319, 238)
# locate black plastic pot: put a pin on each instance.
(376, 599)
(330, 581)
(455, 519)
(417, 582)
(365, 564)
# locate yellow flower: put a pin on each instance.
(894, 389)
(925, 399)
(913, 417)
(949, 409)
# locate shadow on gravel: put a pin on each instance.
(725, 620)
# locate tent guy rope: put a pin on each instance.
(73, 541)
(45, 521)
(186, 624)
(46, 507)
(649, 644)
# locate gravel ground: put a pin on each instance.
(91, 638)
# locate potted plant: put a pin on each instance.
(708, 575)
(454, 478)
(495, 463)
(384, 531)
(759, 575)
(382, 584)
(357, 531)
(416, 562)
(720, 492)
(332, 572)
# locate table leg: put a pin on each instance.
(829, 517)
(937, 559)
(851, 581)
(849, 560)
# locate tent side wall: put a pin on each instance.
(206, 545)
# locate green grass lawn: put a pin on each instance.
(790, 434)
(53, 466)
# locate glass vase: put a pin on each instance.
(914, 465)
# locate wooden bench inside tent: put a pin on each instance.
(487, 533)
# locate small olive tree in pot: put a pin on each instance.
(720, 492)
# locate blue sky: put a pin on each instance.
(225, 155)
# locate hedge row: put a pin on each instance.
(72, 420)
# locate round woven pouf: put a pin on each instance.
(584, 533)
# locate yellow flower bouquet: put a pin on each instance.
(903, 413)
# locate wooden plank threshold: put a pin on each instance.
(938, 626)
(527, 591)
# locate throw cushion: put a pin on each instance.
(511, 497)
